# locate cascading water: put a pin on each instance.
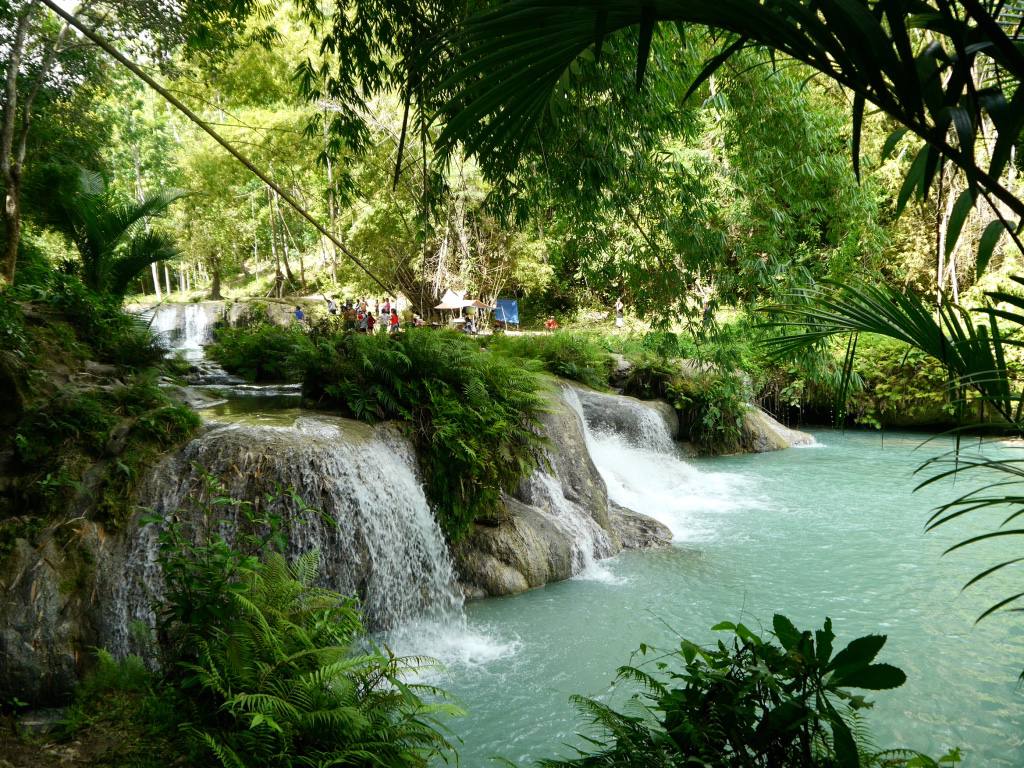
(643, 469)
(589, 541)
(373, 527)
(185, 328)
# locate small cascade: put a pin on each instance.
(373, 528)
(645, 472)
(590, 542)
(185, 328)
(642, 423)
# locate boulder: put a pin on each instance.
(637, 531)
(762, 433)
(527, 550)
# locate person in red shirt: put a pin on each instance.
(393, 321)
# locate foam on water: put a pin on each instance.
(453, 643)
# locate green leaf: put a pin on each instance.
(873, 677)
(913, 178)
(963, 205)
(787, 633)
(891, 141)
(859, 652)
(987, 244)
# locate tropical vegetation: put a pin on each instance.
(814, 207)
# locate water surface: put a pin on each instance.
(832, 531)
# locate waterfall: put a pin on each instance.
(373, 527)
(644, 470)
(185, 328)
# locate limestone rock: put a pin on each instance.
(762, 433)
(527, 550)
(569, 460)
(638, 420)
(637, 531)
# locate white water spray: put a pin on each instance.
(644, 471)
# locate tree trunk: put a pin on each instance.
(156, 280)
(215, 281)
(12, 224)
(10, 168)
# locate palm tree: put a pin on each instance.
(111, 234)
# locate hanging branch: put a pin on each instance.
(135, 70)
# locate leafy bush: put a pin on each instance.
(650, 377)
(99, 322)
(472, 413)
(711, 408)
(569, 355)
(900, 386)
(272, 670)
(262, 352)
(128, 719)
(750, 704)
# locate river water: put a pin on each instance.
(828, 531)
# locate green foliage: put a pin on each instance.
(14, 336)
(121, 429)
(110, 233)
(472, 413)
(262, 352)
(899, 386)
(273, 670)
(711, 405)
(109, 333)
(124, 714)
(573, 356)
(753, 702)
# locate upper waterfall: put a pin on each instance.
(185, 328)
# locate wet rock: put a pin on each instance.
(525, 551)
(194, 398)
(645, 422)
(637, 531)
(621, 368)
(762, 433)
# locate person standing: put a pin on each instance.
(299, 314)
(619, 313)
(393, 321)
(332, 307)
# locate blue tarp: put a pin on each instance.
(507, 310)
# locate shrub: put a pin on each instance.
(99, 322)
(711, 407)
(753, 703)
(569, 355)
(272, 670)
(262, 351)
(472, 413)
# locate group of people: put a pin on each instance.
(364, 318)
